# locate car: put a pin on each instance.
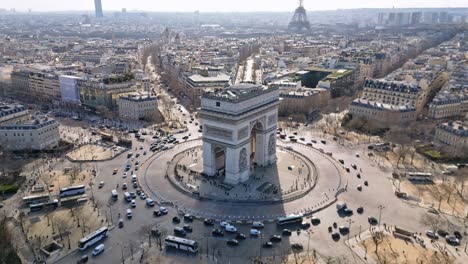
(135, 185)
(83, 259)
(347, 169)
(178, 231)
(348, 211)
(121, 223)
(137, 162)
(330, 229)
(143, 196)
(208, 222)
(163, 210)
(136, 167)
(360, 210)
(258, 225)
(129, 213)
(187, 228)
(335, 225)
(275, 238)
(137, 155)
(366, 183)
(354, 166)
(313, 141)
(457, 234)
(442, 233)
(359, 188)
(115, 171)
(343, 229)
(452, 240)
(176, 219)
(341, 161)
(335, 235)
(101, 184)
(358, 175)
(188, 217)
(223, 223)
(217, 232)
(149, 202)
(133, 203)
(124, 175)
(133, 195)
(309, 144)
(431, 234)
(124, 186)
(157, 213)
(286, 232)
(323, 141)
(232, 242)
(98, 250)
(297, 247)
(315, 220)
(255, 232)
(141, 147)
(240, 236)
(230, 228)
(138, 191)
(144, 152)
(305, 225)
(357, 155)
(267, 244)
(372, 220)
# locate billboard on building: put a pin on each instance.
(69, 89)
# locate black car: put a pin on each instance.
(275, 238)
(176, 219)
(208, 222)
(315, 220)
(232, 242)
(372, 220)
(341, 161)
(286, 232)
(83, 259)
(360, 210)
(366, 183)
(188, 218)
(267, 244)
(323, 141)
(330, 229)
(135, 185)
(138, 191)
(218, 232)
(442, 233)
(240, 236)
(297, 247)
(187, 228)
(121, 223)
(358, 176)
(336, 236)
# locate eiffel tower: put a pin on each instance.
(299, 22)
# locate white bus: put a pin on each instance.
(93, 238)
(181, 243)
(73, 190)
(289, 219)
(35, 199)
(115, 195)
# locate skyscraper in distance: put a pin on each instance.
(98, 7)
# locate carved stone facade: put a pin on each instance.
(244, 126)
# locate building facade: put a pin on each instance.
(196, 84)
(12, 114)
(239, 130)
(137, 106)
(454, 134)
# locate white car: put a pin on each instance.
(133, 203)
(98, 250)
(143, 196)
(124, 175)
(224, 223)
(255, 232)
(149, 202)
(258, 224)
(101, 184)
(230, 228)
(163, 210)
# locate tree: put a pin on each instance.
(377, 238)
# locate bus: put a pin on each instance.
(39, 206)
(73, 200)
(115, 195)
(73, 190)
(93, 238)
(35, 199)
(289, 219)
(181, 243)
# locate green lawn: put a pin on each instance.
(433, 153)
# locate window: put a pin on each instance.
(218, 104)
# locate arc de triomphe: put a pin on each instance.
(239, 130)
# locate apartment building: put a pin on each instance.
(137, 106)
(454, 134)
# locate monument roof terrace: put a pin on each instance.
(237, 93)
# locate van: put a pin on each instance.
(134, 178)
(129, 213)
(230, 228)
(258, 225)
(127, 197)
(98, 250)
(255, 232)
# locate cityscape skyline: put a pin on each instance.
(216, 6)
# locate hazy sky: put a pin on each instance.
(222, 5)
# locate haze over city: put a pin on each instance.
(241, 132)
(223, 5)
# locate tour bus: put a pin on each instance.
(73, 190)
(39, 206)
(93, 238)
(115, 195)
(289, 219)
(35, 199)
(181, 243)
(127, 196)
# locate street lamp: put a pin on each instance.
(381, 207)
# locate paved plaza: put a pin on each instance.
(311, 188)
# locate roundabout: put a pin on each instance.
(303, 180)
